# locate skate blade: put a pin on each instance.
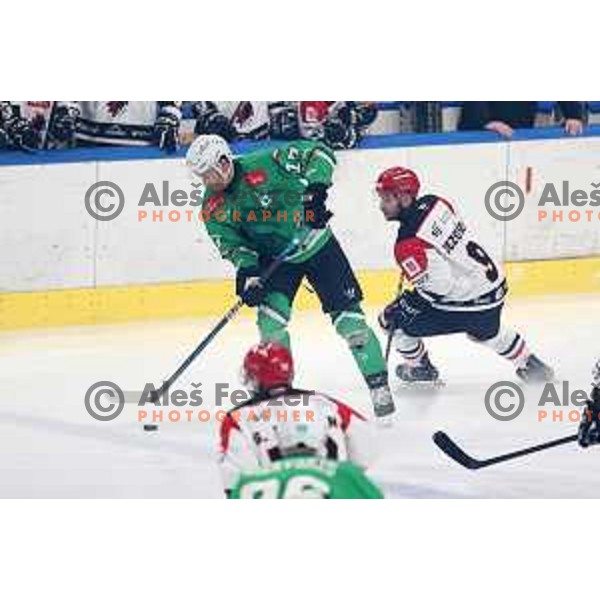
(420, 386)
(386, 422)
(535, 382)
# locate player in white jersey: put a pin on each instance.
(281, 424)
(458, 286)
(232, 119)
(33, 125)
(129, 123)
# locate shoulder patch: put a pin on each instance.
(411, 256)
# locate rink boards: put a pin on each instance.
(59, 266)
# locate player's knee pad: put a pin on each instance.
(273, 318)
(352, 326)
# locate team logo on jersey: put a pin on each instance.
(350, 293)
(254, 178)
(411, 267)
(116, 107)
(265, 200)
(243, 113)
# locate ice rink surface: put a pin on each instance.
(52, 448)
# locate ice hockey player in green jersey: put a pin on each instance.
(255, 207)
(287, 443)
(306, 479)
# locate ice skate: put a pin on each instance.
(423, 375)
(535, 371)
(383, 404)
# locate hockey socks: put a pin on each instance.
(509, 345)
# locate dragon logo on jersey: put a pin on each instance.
(243, 113)
(116, 107)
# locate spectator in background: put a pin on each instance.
(232, 119)
(129, 123)
(505, 117)
(44, 125)
(37, 125)
(340, 124)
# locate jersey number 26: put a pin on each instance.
(298, 487)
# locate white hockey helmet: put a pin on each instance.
(206, 154)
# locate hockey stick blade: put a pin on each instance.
(448, 447)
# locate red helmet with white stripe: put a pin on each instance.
(398, 180)
(268, 366)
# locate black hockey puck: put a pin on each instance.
(150, 427)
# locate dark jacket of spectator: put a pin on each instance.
(476, 115)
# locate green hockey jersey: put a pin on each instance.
(262, 212)
(306, 478)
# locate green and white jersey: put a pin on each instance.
(306, 478)
(295, 443)
(262, 210)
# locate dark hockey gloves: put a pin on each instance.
(316, 214)
(402, 311)
(248, 286)
(283, 121)
(166, 128)
(347, 123)
(64, 125)
(6, 115)
(589, 428)
(209, 121)
(15, 132)
(22, 135)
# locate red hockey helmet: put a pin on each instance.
(267, 366)
(398, 180)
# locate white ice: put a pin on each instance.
(51, 448)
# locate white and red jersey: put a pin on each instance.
(440, 255)
(276, 426)
(39, 112)
(117, 122)
(250, 118)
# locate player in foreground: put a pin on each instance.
(458, 287)
(255, 206)
(589, 429)
(287, 443)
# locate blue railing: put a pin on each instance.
(542, 105)
(397, 140)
